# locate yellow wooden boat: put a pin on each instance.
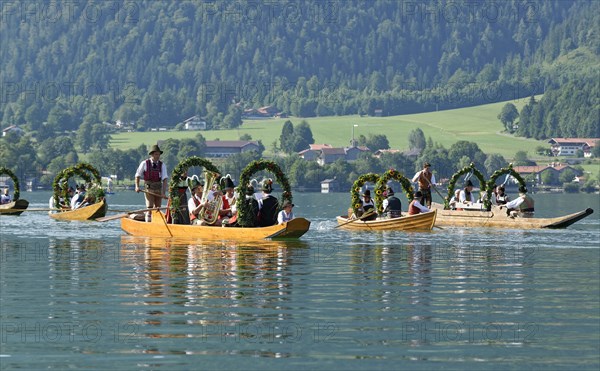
(90, 212)
(498, 218)
(14, 207)
(418, 222)
(159, 227)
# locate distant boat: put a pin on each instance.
(418, 222)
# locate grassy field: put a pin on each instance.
(476, 124)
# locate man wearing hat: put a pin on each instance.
(367, 206)
(154, 173)
(195, 204)
(466, 195)
(522, 206)
(391, 205)
(253, 205)
(426, 179)
(267, 206)
(415, 206)
(228, 207)
(286, 214)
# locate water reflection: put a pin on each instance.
(221, 289)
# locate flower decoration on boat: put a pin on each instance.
(452, 184)
(382, 184)
(180, 173)
(85, 171)
(245, 218)
(11, 175)
(491, 184)
(357, 187)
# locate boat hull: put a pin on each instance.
(90, 212)
(498, 218)
(14, 207)
(418, 222)
(158, 227)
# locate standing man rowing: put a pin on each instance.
(426, 179)
(154, 173)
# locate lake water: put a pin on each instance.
(82, 295)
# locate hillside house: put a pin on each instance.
(226, 148)
(570, 146)
(537, 170)
(12, 129)
(194, 123)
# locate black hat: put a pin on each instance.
(469, 183)
(522, 189)
(249, 190)
(287, 203)
(226, 182)
(155, 149)
(194, 182)
(367, 193)
(389, 191)
(418, 194)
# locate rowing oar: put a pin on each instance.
(154, 194)
(17, 210)
(434, 188)
(123, 215)
(368, 213)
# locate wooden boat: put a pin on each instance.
(498, 218)
(90, 212)
(158, 227)
(418, 222)
(14, 207)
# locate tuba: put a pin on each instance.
(210, 213)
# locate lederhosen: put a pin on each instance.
(425, 187)
(394, 207)
(153, 177)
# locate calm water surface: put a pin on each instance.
(86, 296)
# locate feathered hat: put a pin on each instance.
(226, 182)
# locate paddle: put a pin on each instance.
(368, 213)
(123, 215)
(434, 187)
(154, 194)
(17, 210)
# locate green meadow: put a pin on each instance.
(477, 124)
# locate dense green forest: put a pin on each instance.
(156, 63)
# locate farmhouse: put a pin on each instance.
(195, 123)
(570, 146)
(226, 148)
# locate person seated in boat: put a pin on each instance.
(62, 204)
(182, 215)
(5, 199)
(251, 199)
(522, 206)
(228, 208)
(368, 206)
(466, 195)
(267, 205)
(78, 198)
(195, 204)
(415, 206)
(392, 206)
(454, 200)
(500, 197)
(286, 214)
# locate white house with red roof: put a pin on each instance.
(570, 146)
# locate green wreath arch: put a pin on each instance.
(464, 170)
(85, 171)
(11, 175)
(498, 173)
(244, 208)
(356, 187)
(181, 169)
(382, 182)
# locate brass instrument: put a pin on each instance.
(210, 213)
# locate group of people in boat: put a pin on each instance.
(522, 206)
(212, 204)
(77, 198)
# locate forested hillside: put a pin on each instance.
(156, 63)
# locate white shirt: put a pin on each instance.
(142, 169)
(283, 217)
(515, 203)
(75, 200)
(416, 177)
(418, 205)
(463, 197)
(4, 199)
